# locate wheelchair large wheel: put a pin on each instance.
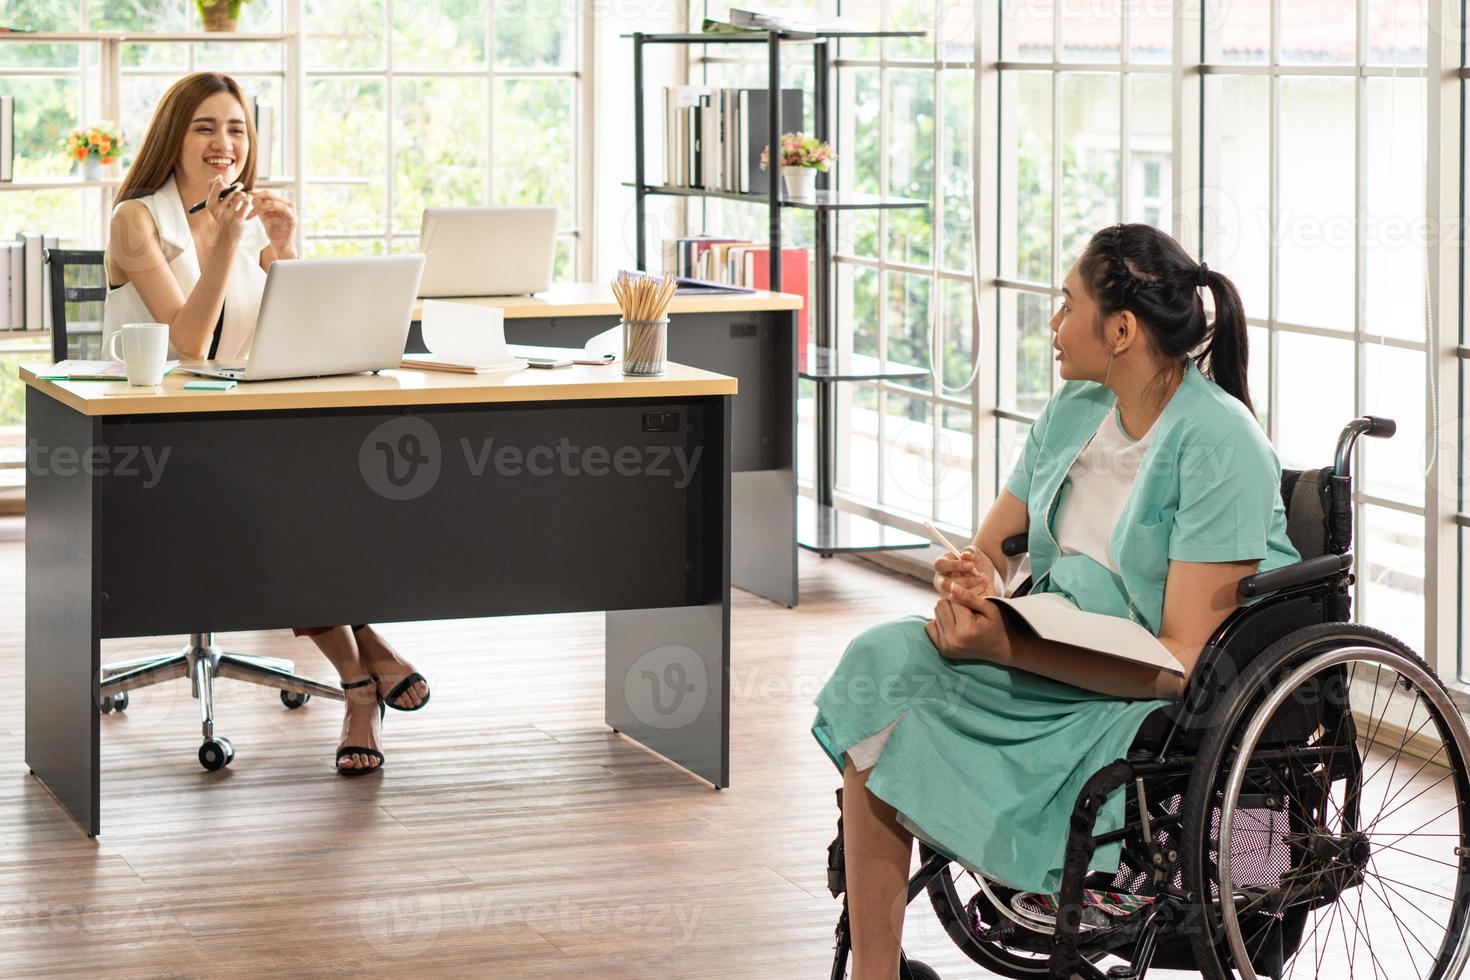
(959, 901)
(1325, 829)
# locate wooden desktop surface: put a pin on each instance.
(391, 388)
(595, 299)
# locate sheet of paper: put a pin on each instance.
(608, 342)
(464, 333)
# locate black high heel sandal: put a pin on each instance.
(347, 750)
(401, 686)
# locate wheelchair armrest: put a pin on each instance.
(1300, 573)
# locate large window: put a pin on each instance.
(1085, 101)
(1294, 147)
(381, 108)
(400, 106)
(905, 278)
(904, 127)
(1313, 198)
(456, 102)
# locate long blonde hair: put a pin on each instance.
(160, 152)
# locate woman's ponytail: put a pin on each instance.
(1226, 357)
(1141, 269)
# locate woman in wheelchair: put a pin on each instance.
(1147, 490)
(1278, 814)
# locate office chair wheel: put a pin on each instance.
(294, 699)
(114, 702)
(216, 753)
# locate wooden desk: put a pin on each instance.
(596, 299)
(751, 336)
(410, 496)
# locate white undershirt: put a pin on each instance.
(1096, 490)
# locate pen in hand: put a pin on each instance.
(958, 553)
(222, 195)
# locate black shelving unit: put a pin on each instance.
(820, 526)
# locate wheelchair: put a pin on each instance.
(1304, 809)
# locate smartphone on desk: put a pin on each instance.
(546, 362)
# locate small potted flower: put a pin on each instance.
(801, 157)
(94, 147)
(219, 15)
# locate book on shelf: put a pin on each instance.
(795, 279)
(7, 137)
(15, 313)
(7, 319)
(1056, 618)
(33, 279)
(736, 262)
(713, 137)
(795, 20)
(755, 133)
(47, 241)
(713, 26)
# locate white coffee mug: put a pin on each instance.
(144, 350)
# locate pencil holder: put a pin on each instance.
(645, 346)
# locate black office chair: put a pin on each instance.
(78, 294)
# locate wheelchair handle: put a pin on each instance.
(1373, 426)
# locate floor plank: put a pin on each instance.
(511, 834)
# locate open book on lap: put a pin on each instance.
(1056, 618)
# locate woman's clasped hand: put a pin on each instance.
(965, 626)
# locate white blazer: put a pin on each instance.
(242, 296)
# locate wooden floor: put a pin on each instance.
(511, 834)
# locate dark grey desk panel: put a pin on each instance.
(257, 515)
(270, 519)
(759, 349)
(62, 609)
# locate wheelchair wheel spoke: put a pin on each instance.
(1327, 807)
(1385, 816)
(1404, 937)
(1415, 832)
(1399, 896)
(1387, 881)
(1416, 854)
(1358, 930)
(1326, 939)
(1422, 765)
(1398, 753)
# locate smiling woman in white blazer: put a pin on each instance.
(203, 275)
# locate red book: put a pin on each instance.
(795, 279)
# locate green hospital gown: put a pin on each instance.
(985, 762)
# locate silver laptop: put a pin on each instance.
(487, 251)
(328, 316)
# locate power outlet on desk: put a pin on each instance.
(660, 421)
(743, 328)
